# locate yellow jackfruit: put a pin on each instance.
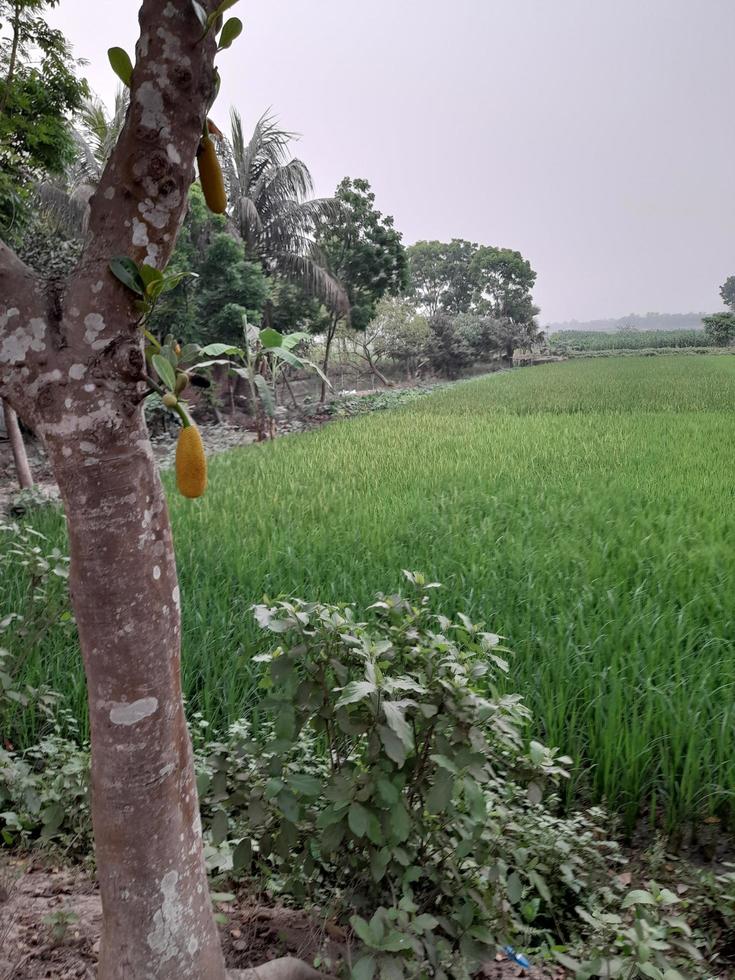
(191, 463)
(210, 176)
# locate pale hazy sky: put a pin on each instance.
(595, 136)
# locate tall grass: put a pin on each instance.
(584, 510)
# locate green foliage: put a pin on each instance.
(59, 922)
(461, 277)
(228, 284)
(719, 329)
(391, 786)
(727, 291)
(503, 283)
(273, 210)
(41, 604)
(349, 405)
(396, 773)
(652, 942)
(38, 92)
(291, 307)
(594, 340)
(441, 279)
(449, 347)
(487, 288)
(576, 505)
(265, 355)
(44, 794)
(363, 250)
(397, 333)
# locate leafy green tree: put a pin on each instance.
(291, 307)
(229, 284)
(39, 89)
(397, 332)
(504, 280)
(720, 329)
(503, 283)
(364, 252)
(483, 334)
(449, 348)
(727, 291)
(441, 276)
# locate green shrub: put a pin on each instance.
(390, 781)
(397, 777)
(44, 795)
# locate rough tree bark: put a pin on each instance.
(71, 363)
(17, 447)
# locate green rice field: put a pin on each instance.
(584, 510)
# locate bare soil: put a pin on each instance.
(50, 918)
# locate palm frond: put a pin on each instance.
(68, 213)
(314, 277)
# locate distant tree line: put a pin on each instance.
(635, 321)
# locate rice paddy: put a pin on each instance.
(584, 510)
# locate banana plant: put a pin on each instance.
(261, 361)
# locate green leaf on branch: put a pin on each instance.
(638, 897)
(153, 279)
(440, 794)
(358, 819)
(306, 785)
(124, 269)
(219, 827)
(164, 370)
(242, 856)
(395, 716)
(364, 969)
(394, 747)
(514, 888)
(121, 64)
(231, 31)
(356, 691)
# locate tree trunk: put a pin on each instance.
(231, 393)
(157, 918)
(17, 446)
(376, 370)
(325, 363)
(71, 362)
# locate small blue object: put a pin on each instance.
(518, 958)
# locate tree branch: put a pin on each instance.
(23, 323)
(141, 199)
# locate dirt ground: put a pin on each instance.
(50, 919)
(217, 438)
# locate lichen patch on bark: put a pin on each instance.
(130, 714)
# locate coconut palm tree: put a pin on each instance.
(272, 210)
(66, 202)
